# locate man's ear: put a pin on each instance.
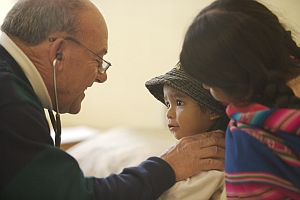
(213, 115)
(55, 53)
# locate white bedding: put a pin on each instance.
(111, 150)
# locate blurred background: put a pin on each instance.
(145, 39)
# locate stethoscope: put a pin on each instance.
(55, 121)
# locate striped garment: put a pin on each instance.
(263, 153)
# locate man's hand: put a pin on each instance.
(195, 153)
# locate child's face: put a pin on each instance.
(184, 116)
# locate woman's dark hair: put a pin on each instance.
(240, 46)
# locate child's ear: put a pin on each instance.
(213, 115)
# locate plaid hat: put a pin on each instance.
(179, 80)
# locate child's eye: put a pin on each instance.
(179, 103)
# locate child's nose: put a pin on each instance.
(170, 112)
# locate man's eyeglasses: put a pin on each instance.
(105, 64)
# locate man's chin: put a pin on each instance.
(75, 109)
(74, 112)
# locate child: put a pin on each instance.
(190, 110)
(245, 57)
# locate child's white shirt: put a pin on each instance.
(203, 186)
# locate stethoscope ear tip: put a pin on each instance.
(54, 63)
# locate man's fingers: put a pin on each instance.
(212, 141)
(208, 134)
(198, 141)
(193, 154)
(212, 152)
(208, 164)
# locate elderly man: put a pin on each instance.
(50, 52)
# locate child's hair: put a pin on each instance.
(179, 80)
(241, 47)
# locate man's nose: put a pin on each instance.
(101, 77)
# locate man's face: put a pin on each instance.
(80, 69)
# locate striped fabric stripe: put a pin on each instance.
(257, 192)
(287, 120)
(245, 177)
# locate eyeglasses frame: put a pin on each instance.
(108, 64)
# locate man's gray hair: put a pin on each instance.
(32, 21)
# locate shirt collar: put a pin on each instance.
(29, 69)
